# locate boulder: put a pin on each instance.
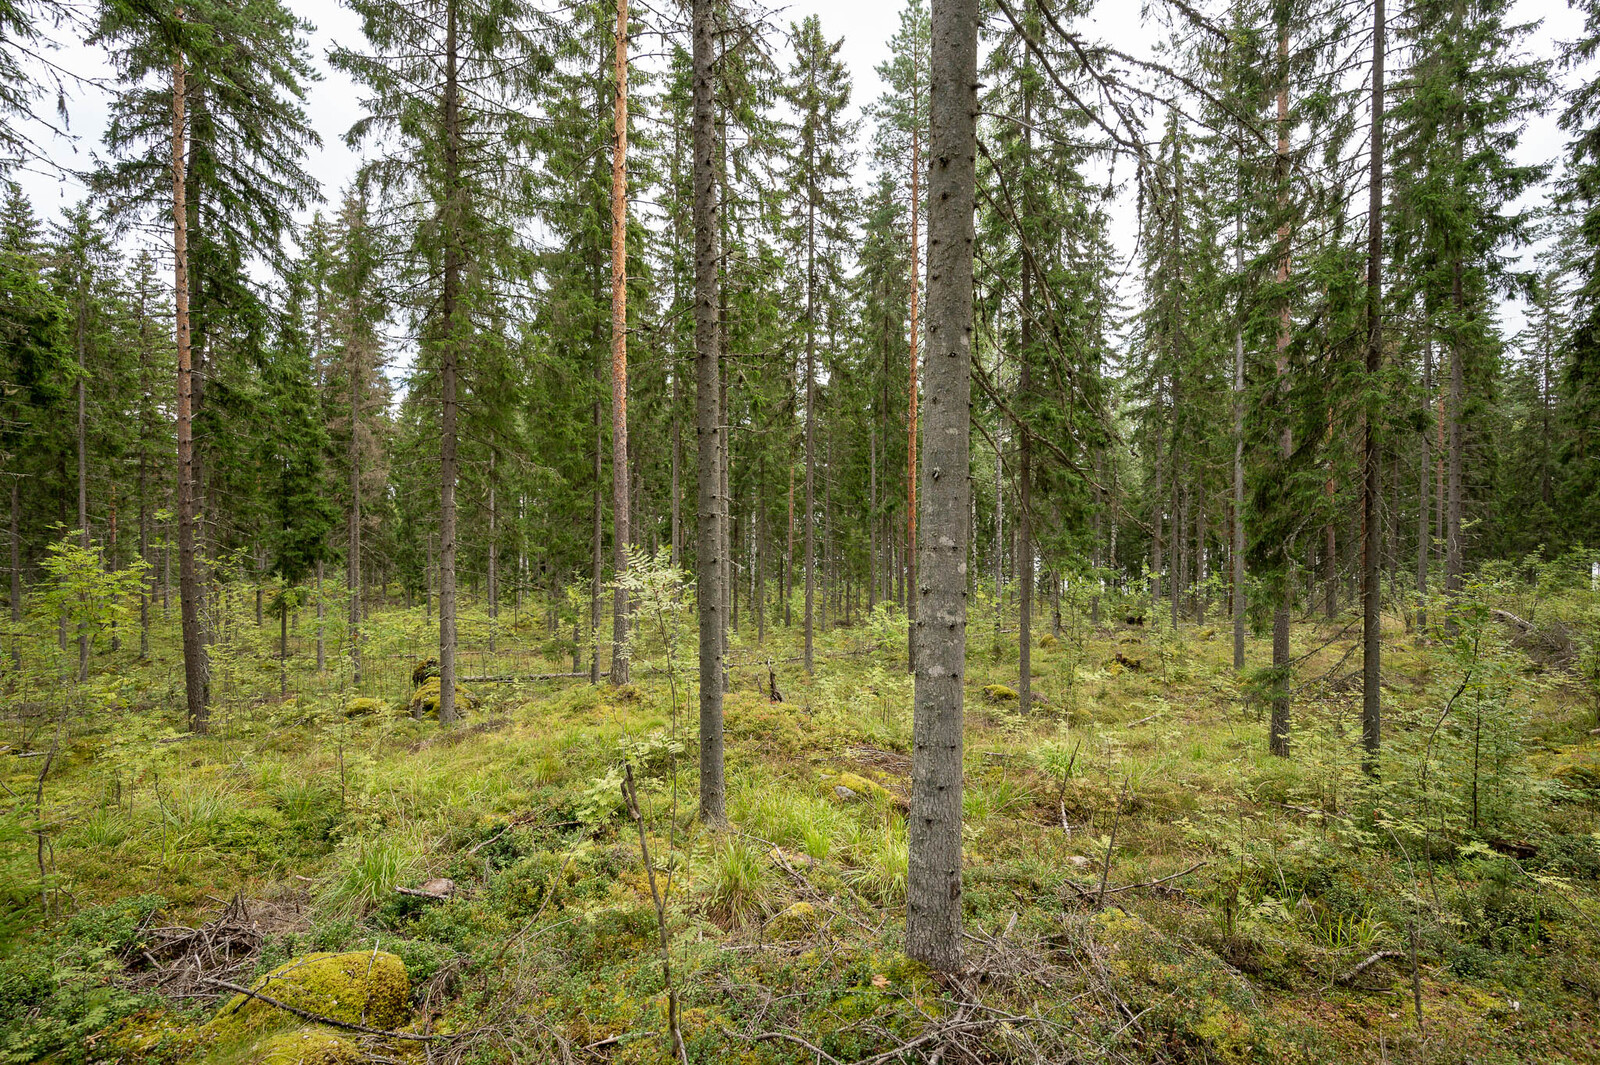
(425, 700)
(361, 987)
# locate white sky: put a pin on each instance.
(866, 26)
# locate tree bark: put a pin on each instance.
(1278, 736)
(911, 392)
(1238, 544)
(353, 563)
(1424, 503)
(619, 354)
(449, 358)
(1371, 617)
(196, 670)
(933, 904)
(1025, 453)
(809, 514)
(708, 566)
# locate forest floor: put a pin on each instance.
(1144, 883)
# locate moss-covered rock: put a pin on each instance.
(423, 670)
(795, 921)
(307, 1046)
(360, 987)
(1048, 641)
(362, 707)
(999, 693)
(864, 788)
(425, 700)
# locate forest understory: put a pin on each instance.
(1143, 882)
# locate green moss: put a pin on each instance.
(1226, 1035)
(360, 987)
(307, 1046)
(361, 707)
(865, 787)
(795, 921)
(999, 693)
(1048, 641)
(425, 700)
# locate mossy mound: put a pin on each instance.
(795, 921)
(1048, 641)
(1581, 775)
(423, 670)
(307, 1046)
(361, 987)
(865, 788)
(149, 1035)
(999, 693)
(362, 707)
(425, 700)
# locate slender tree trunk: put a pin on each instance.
(1371, 616)
(810, 512)
(708, 596)
(353, 536)
(912, 395)
(1025, 463)
(619, 354)
(494, 552)
(677, 461)
(1424, 503)
(597, 533)
(322, 613)
(872, 515)
(448, 370)
(933, 901)
(1238, 544)
(788, 558)
(196, 670)
(1453, 504)
(16, 571)
(1278, 737)
(83, 452)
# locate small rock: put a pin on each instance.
(1078, 860)
(844, 794)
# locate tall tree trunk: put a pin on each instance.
(353, 563)
(16, 571)
(322, 611)
(1025, 447)
(872, 515)
(448, 369)
(1237, 547)
(933, 897)
(1424, 504)
(1453, 504)
(196, 670)
(619, 354)
(708, 595)
(81, 325)
(597, 532)
(1371, 617)
(1278, 736)
(911, 393)
(494, 552)
(810, 512)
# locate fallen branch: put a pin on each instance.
(318, 1018)
(507, 678)
(1367, 963)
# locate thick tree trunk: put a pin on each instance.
(619, 354)
(933, 902)
(708, 566)
(1371, 617)
(196, 670)
(448, 370)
